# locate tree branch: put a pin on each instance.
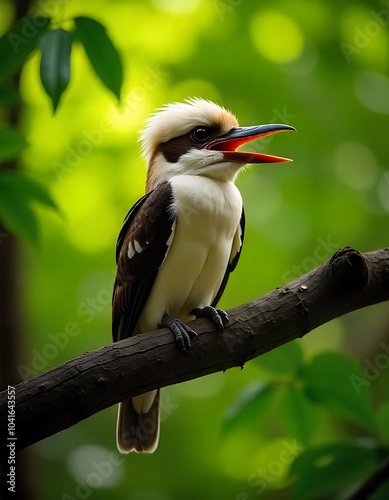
(372, 483)
(86, 385)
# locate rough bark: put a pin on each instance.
(83, 386)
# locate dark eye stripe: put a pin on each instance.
(172, 150)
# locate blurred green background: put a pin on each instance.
(321, 66)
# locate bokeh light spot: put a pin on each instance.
(96, 466)
(235, 454)
(305, 64)
(277, 37)
(356, 165)
(195, 87)
(364, 35)
(177, 7)
(87, 209)
(383, 190)
(372, 90)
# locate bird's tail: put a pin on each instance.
(138, 423)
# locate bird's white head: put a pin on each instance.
(199, 137)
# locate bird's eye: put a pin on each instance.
(201, 134)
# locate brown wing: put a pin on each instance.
(142, 246)
(234, 257)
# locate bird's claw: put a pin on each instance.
(181, 332)
(218, 317)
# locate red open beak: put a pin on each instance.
(229, 142)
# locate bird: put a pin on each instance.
(179, 243)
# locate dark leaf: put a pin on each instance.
(251, 404)
(101, 52)
(298, 415)
(12, 142)
(17, 193)
(8, 95)
(382, 493)
(323, 470)
(18, 218)
(55, 63)
(18, 43)
(330, 381)
(383, 421)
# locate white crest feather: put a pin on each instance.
(174, 120)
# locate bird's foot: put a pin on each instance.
(218, 317)
(182, 333)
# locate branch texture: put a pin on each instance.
(86, 385)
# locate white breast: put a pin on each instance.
(208, 215)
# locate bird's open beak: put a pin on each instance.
(229, 142)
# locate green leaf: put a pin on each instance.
(251, 404)
(17, 193)
(382, 493)
(284, 360)
(383, 421)
(323, 470)
(19, 219)
(12, 142)
(18, 43)
(8, 95)
(298, 415)
(56, 46)
(330, 380)
(101, 52)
